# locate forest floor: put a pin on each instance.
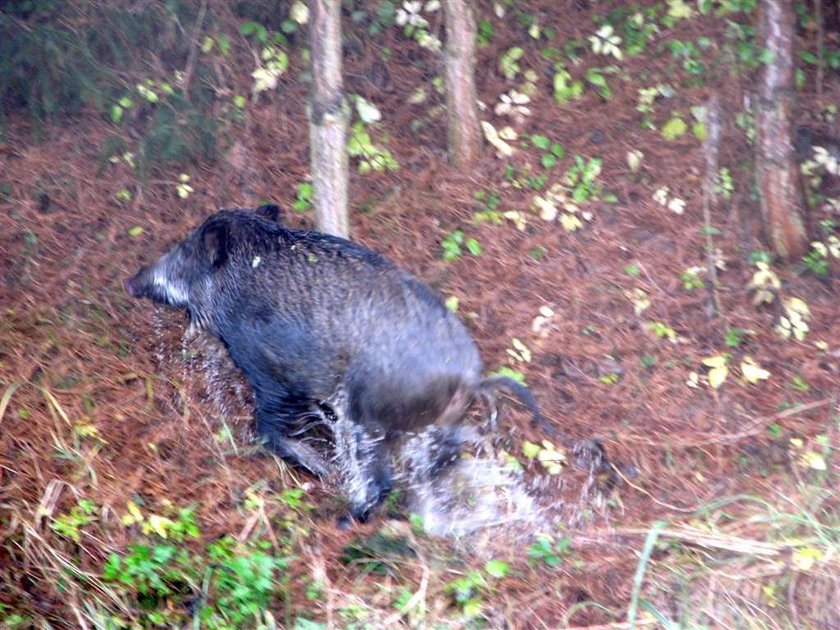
(723, 500)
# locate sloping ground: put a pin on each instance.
(105, 402)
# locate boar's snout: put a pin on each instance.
(134, 285)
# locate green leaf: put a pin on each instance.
(548, 160)
(674, 128)
(517, 376)
(496, 568)
(541, 142)
(474, 247)
(595, 77)
(699, 131)
(136, 231)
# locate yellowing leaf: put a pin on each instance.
(804, 558)
(693, 379)
(752, 371)
(769, 591)
(550, 458)
(813, 460)
(134, 515)
(158, 524)
(503, 149)
(717, 376)
(796, 305)
(517, 217)
(570, 222)
(520, 351)
(674, 128)
(719, 360)
(530, 450)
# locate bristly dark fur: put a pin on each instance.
(325, 328)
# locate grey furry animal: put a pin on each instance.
(325, 328)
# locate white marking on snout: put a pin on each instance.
(173, 290)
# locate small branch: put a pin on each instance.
(190, 67)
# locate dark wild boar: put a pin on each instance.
(323, 327)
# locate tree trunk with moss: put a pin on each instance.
(776, 169)
(464, 131)
(328, 119)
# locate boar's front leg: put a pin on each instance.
(274, 427)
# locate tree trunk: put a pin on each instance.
(464, 132)
(777, 173)
(328, 119)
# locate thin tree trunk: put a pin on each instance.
(776, 169)
(464, 132)
(328, 119)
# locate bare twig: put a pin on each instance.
(190, 67)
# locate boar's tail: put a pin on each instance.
(490, 385)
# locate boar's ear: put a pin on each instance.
(215, 240)
(268, 211)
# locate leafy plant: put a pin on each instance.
(452, 246)
(547, 551)
(552, 151)
(734, 337)
(816, 261)
(724, 185)
(582, 180)
(565, 87)
(489, 212)
(636, 24)
(372, 158)
(509, 62)
(242, 582)
(662, 331)
(595, 77)
(273, 60)
(691, 279)
(646, 99)
(606, 42)
(485, 32)
(303, 197)
(154, 572)
(415, 25)
(469, 590)
(689, 54)
(70, 524)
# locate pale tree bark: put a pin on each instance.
(328, 119)
(776, 170)
(464, 131)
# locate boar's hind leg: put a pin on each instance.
(364, 459)
(274, 429)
